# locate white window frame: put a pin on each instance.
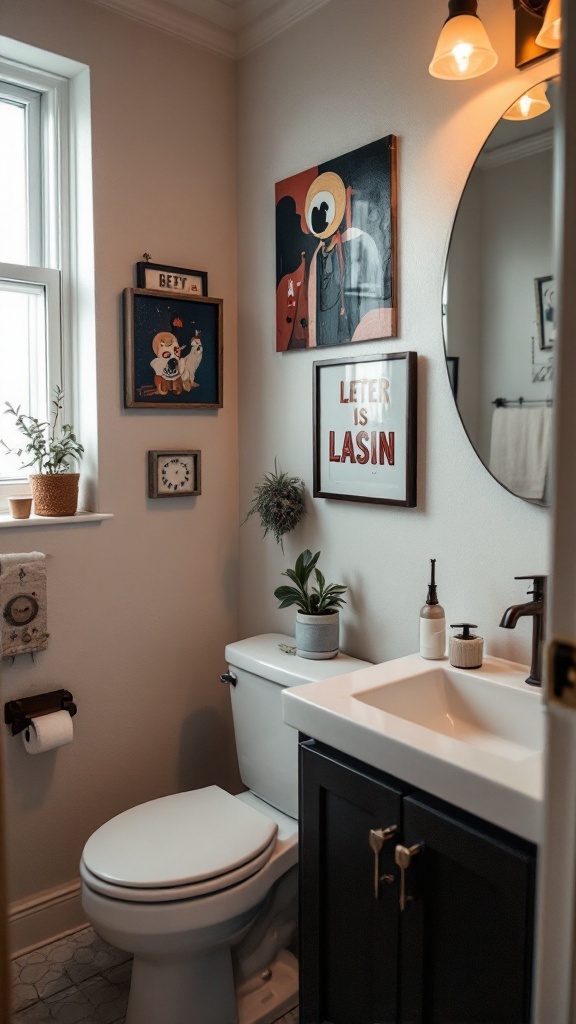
(30, 99)
(49, 280)
(66, 263)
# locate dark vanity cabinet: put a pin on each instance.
(460, 950)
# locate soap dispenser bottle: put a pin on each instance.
(465, 648)
(432, 622)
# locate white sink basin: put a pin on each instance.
(499, 719)
(473, 738)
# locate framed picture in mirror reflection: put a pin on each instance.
(546, 311)
(452, 364)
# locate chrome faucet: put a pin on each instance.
(537, 609)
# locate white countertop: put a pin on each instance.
(505, 790)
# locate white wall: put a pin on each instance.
(140, 607)
(347, 75)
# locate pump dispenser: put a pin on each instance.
(432, 622)
(465, 648)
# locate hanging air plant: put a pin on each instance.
(279, 501)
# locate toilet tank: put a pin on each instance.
(267, 748)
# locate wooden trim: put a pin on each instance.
(44, 917)
(556, 951)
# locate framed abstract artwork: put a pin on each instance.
(172, 351)
(336, 250)
(365, 429)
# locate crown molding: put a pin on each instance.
(231, 31)
(270, 22)
(516, 150)
(177, 21)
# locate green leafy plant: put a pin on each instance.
(49, 451)
(279, 501)
(321, 599)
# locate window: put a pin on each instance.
(46, 245)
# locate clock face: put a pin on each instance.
(174, 475)
(21, 610)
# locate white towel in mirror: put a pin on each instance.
(519, 449)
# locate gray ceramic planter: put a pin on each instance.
(317, 636)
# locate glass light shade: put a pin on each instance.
(463, 49)
(550, 35)
(531, 104)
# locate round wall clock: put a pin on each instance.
(173, 474)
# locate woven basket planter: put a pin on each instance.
(55, 494)
(317, 636)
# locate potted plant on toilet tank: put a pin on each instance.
(317, 616)
(51, 447)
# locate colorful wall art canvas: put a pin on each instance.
(335, 250)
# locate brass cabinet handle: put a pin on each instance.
(403, 856)
(377, 837)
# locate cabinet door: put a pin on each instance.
(348, 938)
(466, 939)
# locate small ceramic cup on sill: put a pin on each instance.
(20, 507)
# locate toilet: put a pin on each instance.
(201, 887)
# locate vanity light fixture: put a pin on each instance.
(537, 29)
(531, 104)
(550, 35)
(463, 49)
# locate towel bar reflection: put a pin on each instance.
(504, 402)
(18, 713)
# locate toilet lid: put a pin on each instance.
(178, 840)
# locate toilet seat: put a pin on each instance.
(178, 847)
(180, 892)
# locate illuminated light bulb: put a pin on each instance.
(550, 35)
(463, 49)
(462, 53)
(531, 104)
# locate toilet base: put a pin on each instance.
(264, 999)
(198, 990)
(202, 991)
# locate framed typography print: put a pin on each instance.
(172, 351)
(336, 250)
(365, 429)
(161, 278)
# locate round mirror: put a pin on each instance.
(498, 302)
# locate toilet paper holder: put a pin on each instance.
(18, 713)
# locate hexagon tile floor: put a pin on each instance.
(76, 980)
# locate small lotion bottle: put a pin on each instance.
(432, 623)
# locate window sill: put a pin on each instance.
(6, 519)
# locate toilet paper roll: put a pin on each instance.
(48, 732)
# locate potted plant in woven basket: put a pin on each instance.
(51, 448)
(318, 614)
